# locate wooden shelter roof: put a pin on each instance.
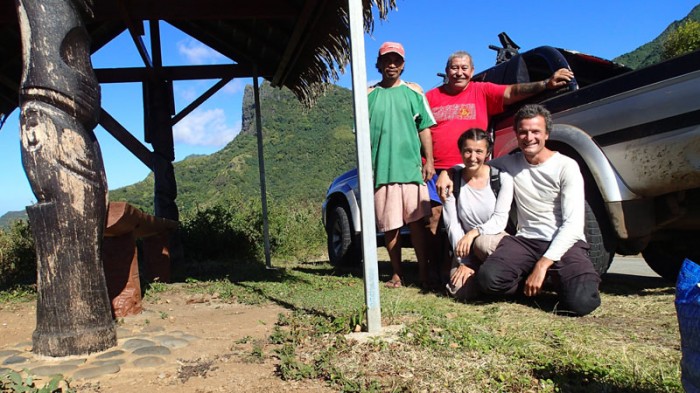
(300, 44)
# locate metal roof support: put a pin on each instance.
(364, 165)
(261, 167)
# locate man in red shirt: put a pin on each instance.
(461, 104)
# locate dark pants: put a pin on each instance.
(573, 277)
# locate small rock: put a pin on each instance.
(73, 362)
(136, 343)
(149, 361)
(9, 352)
(172, 342)
(110, 354)
(155, 350)
(45, 371)
(108, 362)
(93, 372)
(15, 359)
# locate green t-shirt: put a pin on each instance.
(396, 115)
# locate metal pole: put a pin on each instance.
(364, 165)
(261, 166)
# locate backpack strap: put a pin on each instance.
(495, 180)
(457, 184)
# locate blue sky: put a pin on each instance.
(429, 31)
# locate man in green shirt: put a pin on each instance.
(400, 121)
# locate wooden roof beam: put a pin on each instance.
(173, 73)
(300, 30)
(194, 104)
(287, 65)
(136, 32)
(236, 50)
(127, 140)
(201, 9)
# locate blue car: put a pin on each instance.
(341, 218)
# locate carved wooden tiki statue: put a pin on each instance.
(60, 105)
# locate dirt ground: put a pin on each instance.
(230, 353)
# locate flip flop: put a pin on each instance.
(393, 284)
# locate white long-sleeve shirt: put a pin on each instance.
(550, 199)
(478, 208)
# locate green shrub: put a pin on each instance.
(235, 231)
(215, 233)
(17, 255)
(13, 381)
(683, 40)
(296, 231)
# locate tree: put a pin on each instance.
(683, 40)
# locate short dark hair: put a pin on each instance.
(530, 111)
(474, 134)
(456, 55)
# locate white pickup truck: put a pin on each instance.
(634, 133)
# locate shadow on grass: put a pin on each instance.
(235, 272)
(626, 284)
(570, 380)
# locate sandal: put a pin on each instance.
(393, 284)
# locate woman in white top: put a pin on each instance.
(475, 218)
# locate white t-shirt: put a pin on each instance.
(550, 199)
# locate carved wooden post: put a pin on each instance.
(158, 102)
(60, 105)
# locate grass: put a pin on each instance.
(630, 344)
(18, 294)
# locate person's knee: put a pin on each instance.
(485, 245)
(582, 298)
(488, 278)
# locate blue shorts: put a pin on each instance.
(432, 190)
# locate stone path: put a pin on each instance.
(181, 343)
(140, 348)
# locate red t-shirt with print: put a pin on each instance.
(457, 113)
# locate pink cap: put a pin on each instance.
(389, 47)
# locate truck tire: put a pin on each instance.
(665, 257)
(341, 250)
(600, 240)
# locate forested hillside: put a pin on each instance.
(303, 149)
(650, 53)
(7, 218)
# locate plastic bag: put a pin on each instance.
(688, 310)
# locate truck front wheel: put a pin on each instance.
(665, 257)
(600, 240)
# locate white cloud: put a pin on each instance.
(205, 128)
(235, 86)
(188, 93)
(197, 53)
